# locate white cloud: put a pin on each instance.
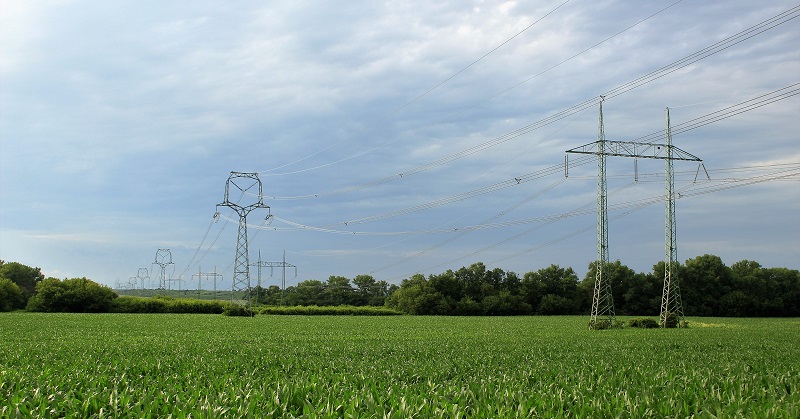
(137, 111)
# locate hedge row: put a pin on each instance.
(129, 304)
(327, 310)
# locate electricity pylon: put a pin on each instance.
(241, 271)
(206, 275)
(671, 305)
(272, 265)
(142, 275)
(163, 259)
(602, 300)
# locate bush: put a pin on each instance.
(671, 320)
(601, 324)
(11, 297)
(76, 295)
(643, 323)
(342, 310)
(237, 310)
(161, 304)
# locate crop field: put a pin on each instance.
(121, 365)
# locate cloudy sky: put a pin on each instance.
(391, 137)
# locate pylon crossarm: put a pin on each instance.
(635, 150)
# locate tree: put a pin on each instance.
(621, 279)
(77, 295)
(338, 291)
(555, 281)
(703, 282)
(365, 289)
(24, 276)
(417, 296)
(11, 297)
(308, 292)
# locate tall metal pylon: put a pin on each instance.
(244, 182)
(602, 299)
(671, 305)
(163, 259)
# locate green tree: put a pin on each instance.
(24, 276)
(78, 295)
(11, 297)
(703, 282)
(621, 279)
(338, 291)
(555, 281)
(417, 296)
(308, 292)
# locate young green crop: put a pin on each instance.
(119, 365)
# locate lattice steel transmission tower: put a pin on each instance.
(142, 275)
(602, 298)
(602, 301)
(244, 182)
(206, 275)
(671, 305)
(271, 266)
(163, 259)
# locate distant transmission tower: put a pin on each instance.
(206, 275)
(163, 259)
(602, 300)
(243, 182)
(271, 265)
(142, 275)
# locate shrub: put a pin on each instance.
(671, 320)
(161, 304)
(237, 310)
(342, 310)
(601, 324)
(643, 323)
(76, 295)
(11, 297)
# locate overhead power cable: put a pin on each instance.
(412, 101)
(630, 207)
(748, 105)
(693, 58)
(465, 231)
(787, 172)
(725, 113)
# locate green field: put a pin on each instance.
(119, 365)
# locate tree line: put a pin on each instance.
(365, 290)
(708, 288)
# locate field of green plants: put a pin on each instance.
(159, 365)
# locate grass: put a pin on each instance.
(154, 365)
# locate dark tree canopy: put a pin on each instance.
(708, 288)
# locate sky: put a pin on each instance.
(390, 138)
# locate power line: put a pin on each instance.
(788, 172)
(407, 104)
(702, 54)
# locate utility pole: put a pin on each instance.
(241, 271)
(602, 300)
(163, 259)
